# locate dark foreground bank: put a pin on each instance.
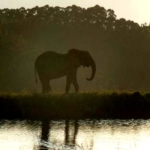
(75, 106)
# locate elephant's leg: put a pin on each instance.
(76, 86)
(45, 86)
(68, 83)
(74, 81)
(72, 78)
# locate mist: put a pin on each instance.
(120, 47)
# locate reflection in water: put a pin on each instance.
(67, 132)
(75, 135)
(68, 140)
(45, 134)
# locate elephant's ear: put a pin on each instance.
(73, 58)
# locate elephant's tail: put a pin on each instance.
(35, 74)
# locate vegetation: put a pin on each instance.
(74, 106)
(120, 47)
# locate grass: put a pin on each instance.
(74, 106)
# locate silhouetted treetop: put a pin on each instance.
(59, 15)
(39, 17)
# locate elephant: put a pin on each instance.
(52, 65)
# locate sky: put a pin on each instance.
(135, 10)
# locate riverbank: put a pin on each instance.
(75, 106)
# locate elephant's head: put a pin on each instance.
(84, 58)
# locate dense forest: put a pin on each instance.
(120, 47)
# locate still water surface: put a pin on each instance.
(75, 135)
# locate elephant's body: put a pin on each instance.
(52, 65)
(56, 65)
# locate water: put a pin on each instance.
(75, 135)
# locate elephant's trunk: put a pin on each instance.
(93, 66)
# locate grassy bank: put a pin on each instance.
(74, 106)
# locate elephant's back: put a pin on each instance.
(50, 60)
(48, 55)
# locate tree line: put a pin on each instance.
(120, 47)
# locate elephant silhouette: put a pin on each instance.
(51, 65)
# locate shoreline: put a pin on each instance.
(96, 105)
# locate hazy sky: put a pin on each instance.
(136, 10)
